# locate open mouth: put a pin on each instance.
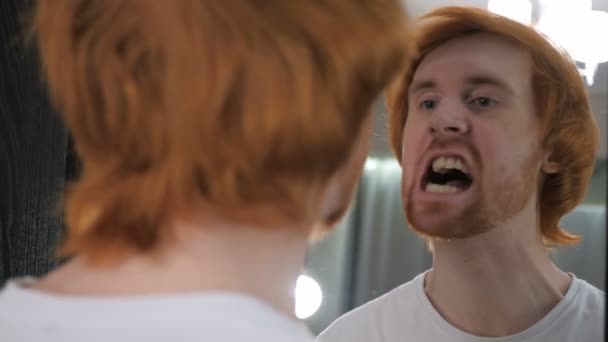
(447, 175)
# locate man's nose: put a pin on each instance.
(450, 123)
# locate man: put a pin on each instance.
(214, 136)
(494, 132)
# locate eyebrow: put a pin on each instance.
(474, 80)
(422, 85)
(477, 80)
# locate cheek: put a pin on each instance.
(408, 142)
(412, 135)
(410, 149)
(494, 154)
(504, 154)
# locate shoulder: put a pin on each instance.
(580, 315)
(222, 317)
(231, 317)
(13, 292)
(589, 297)
(369, 321)
(247, 332)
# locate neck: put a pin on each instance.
(498, 283)
(263, 263)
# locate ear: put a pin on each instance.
(549, 165)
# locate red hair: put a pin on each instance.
(568, 126)
(235, 104)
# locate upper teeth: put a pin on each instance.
(443, 164)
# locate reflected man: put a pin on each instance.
(493, 128)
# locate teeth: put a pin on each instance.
(443, 164)
(441, 188)
(449, 164)
(460, 166)
(439, 164)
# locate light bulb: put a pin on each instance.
(518, 10)
(308, 297)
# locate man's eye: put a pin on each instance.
(428, 104)
(482, 102)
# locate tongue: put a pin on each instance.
(459, 183)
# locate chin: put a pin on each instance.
(440, 230)
(443, 225)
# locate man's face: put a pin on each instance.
(471, 143)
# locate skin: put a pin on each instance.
(472, 97)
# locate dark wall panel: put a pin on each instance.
(32, 156)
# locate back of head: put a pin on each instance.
(235, 104)
(562, 107)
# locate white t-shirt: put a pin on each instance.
(30, 315)
(406, 314)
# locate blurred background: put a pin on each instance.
(372, 251)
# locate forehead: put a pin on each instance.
(478, 54)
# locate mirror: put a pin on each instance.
(373, 251)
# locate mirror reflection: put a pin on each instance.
(487, 247)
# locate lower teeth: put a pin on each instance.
(431, 187)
